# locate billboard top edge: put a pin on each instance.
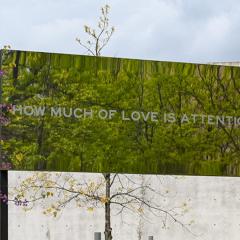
(131, 59)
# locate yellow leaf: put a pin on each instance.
(140, 210)
(90, 209)
(49, 194)
(104, 200)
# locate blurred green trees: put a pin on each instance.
(93, 145)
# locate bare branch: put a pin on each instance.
(101, 37)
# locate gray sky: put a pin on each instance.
(172, 30)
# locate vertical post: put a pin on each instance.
(97, 236)
(3, 178)
(150, 238)
(4, 206)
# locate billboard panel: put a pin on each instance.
(95, 114)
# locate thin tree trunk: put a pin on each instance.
(15, 69)
(108, 229)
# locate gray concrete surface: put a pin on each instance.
(235, 64)
(211, 207)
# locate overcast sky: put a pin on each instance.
(172, 30)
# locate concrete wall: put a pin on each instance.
(211, 207)
(236, 64)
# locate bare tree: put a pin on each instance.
(98, 39)
(119, 193)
